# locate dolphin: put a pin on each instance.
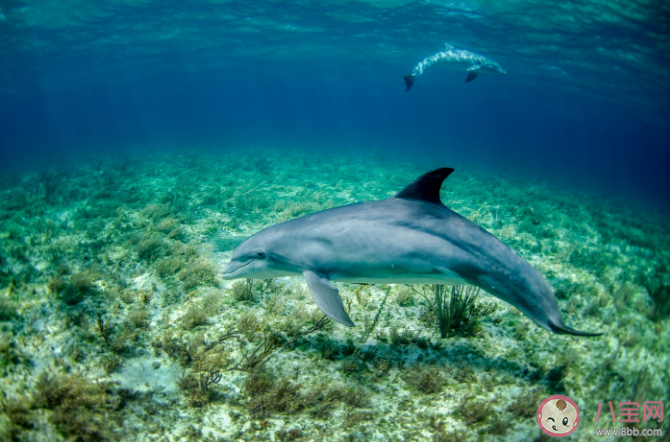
(459, 59)
(410, 238)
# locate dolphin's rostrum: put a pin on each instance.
(458, 59)
(409, 238)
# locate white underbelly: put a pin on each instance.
(446, 279)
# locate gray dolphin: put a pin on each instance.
(409, 238)
(458, 59)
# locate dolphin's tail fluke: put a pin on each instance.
(409, 81)
(561, 328)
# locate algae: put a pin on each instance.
(111, 309)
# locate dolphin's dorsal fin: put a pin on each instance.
(426, 187)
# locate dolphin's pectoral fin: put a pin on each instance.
(426, 187)
(471, 76)
(326, 296)
(409, 81)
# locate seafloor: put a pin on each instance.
(115, 325)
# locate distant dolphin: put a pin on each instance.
(459, 59)
(410, 238)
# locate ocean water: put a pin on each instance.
(142, 141)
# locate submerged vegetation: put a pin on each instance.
(460, 312)
(114, 322)
(658, 288)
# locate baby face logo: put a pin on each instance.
(558, 416)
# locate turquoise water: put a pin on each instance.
(584, 101)
(141, 142)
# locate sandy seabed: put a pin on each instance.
(114, 324)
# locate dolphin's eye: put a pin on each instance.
(565, 421)
(260, 255)
(551, 419)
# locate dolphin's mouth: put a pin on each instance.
(232, 269)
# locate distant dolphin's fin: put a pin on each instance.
(471, 76)
(564, 329)
(426, 187)
(328, 299)
(409, 81)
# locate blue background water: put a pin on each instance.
(586, 100)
